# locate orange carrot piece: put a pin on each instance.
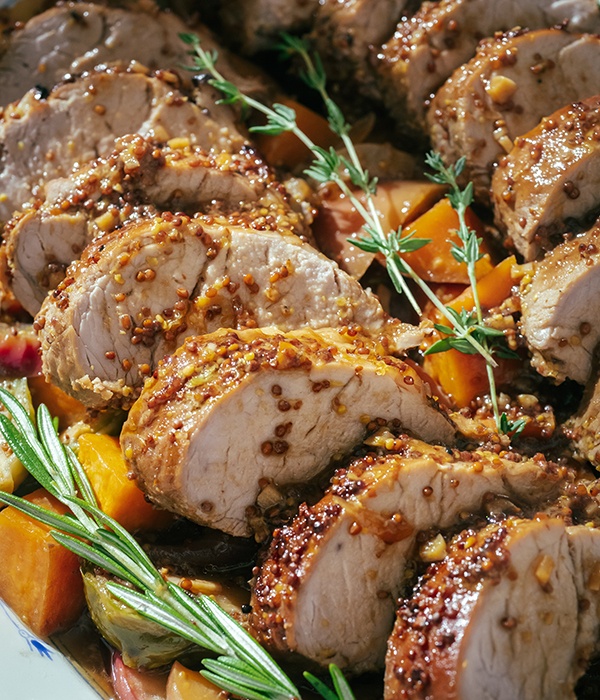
(39, 579)
(463, 377)
(117, 494)
(286, 150)
(434, 262)
(185, 684)
(397, 201)
(62, 406)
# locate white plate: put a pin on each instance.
(33, 669)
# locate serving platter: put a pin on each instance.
(32, 668)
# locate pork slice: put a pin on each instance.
(78, 36)
(328, 587)
(137, 179)
(534, 200)
(138, 292)
(511, 612)
(346, 34)
(513, 81)
(43, 138)
(312, 393)
(427, 47)
(256, 25)
(560, 317)
(583, 428)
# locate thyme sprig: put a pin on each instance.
(330, 166)
(467, 332)
(468, 251)
(242, 666)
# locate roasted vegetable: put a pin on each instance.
(39, 578)
(118, 495)
(12, 472)
(463, 377)
(142, 643)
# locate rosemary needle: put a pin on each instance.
(242, 666)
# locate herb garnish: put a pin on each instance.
(467, 333)
(242, 666)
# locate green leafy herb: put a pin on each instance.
(468, 332)
(242, 666)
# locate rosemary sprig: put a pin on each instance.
(242, 666)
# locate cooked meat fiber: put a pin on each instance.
(256, 25)
(560, 314)
(302, 397)
(535, 201)
(43, 138)
(76, 37)
(427, 47)
(138, 292)
(503, 93)
(345, 35)
(513, 611)
(583, 428)
(328, 587)
(139, 178)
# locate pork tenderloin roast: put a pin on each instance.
(504, 91)
(306, 396)
(328, 586)
(513, 611)
(137, 292)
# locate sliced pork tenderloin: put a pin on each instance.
(535, 202)
(560, 314)
(513, 611)
(78, 36)
(138, 292)
(256, 25)
(346, 35)
(513, 81)
(428, 46)
(312, 394)
(583, 427)
(42, 138)
(328, 587)
(137, 179)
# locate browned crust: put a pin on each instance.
(190, 382)
(294, 547)
(424, 647)
(564, 132)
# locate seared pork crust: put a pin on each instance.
(42, 138)
(535, 201)
(78, 36)
(346, 35)
(513, 81)
(255, 25)
(427, 47)
(560, 314)
(138, 179)
(138, 292)
(583, 428)
(511, 612)
(328, 587)
(232, 415)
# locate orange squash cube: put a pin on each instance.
(39, 579)
(118, 495)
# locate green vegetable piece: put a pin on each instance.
(142, 642)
